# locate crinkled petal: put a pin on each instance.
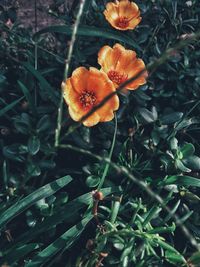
(111, 11)
(134, 22)
(106, 111)
(135, 84)
(92, 120)
(128, 9)
(127, 57)
(79, 79)
(99, 83)
(135, 67)
(108, 57)
(71, 97)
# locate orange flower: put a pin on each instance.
(84, 90)
(121, 64)
(123, 15)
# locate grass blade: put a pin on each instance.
(182, 180)
(62, 243)
(50, 92)
(89, 31)
(18, 253)
(68, 212)
(27, 95)
(29, 200)
(10, 106)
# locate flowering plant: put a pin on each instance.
(99, 167)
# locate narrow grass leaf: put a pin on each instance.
(10, 106)
(182, 180)
(90, 31)
(28, 96)
(69, 212)
(52, 94)
(43, 192)
(18, 253)
(62, 243)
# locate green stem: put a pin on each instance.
(110, 156)
(66, 71)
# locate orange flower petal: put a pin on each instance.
(134, 22)
(70, 95)
(135, 67)
(89, 122)
(79, 79)
(127, 58)
(106, 112)
(99, 83)
(111, 11)
(108, 57)
(135, 84)
(128, 9)
(108, 117)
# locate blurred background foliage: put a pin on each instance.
(42, 215)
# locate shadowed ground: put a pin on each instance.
(26, 11)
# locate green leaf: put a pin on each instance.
(43, 124)
(165, 229)
(179, 164)
(10, 106)
(90, 31)
(171, 118)
(92, 181)
(192, 162)
(195, 259)
(188, 150)
(14, 152)
(27, 95)
(33, 169)
(182, 180)
(174, 143)
(18, 253)
(33, 145)
(45, 86)
(147, 115)
(62, 243)
(151, 214)
(115, 211)
(43, 192)
(174, 258)
(166, 246)
(23, 123)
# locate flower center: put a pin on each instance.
(122, 22)
(87, 99)
(116, 77)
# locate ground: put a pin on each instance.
(27, 15)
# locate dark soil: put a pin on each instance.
(35, 13)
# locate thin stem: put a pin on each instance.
(67, 65)
(110, 156)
